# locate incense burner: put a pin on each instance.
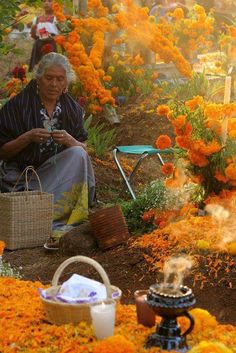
(170, 303)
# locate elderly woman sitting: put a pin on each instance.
(43, 126)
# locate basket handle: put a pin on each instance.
(25, 171)
(88, 261)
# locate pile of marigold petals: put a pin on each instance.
(22, 319)
(200, 237)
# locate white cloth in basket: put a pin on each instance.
(79, 289)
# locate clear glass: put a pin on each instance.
(103, 318)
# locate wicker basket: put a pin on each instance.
(109, 227)
(25, 217)
(59, 313)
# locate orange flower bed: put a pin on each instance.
(22, 320)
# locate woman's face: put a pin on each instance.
(52, 83)
(47, 5)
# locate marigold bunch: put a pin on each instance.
(192, 32)
(205, 140)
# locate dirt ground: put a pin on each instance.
(125, 266)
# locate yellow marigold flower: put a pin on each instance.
(110, 69)
(120, 62)
(115, 8)
(231, 247)
(152, 18)
(203, 319)
(210, 347)
(199, 9)
(232, 133)
(203, 244)
(178, 14)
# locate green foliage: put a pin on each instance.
(124, 79)
(8, 10)
(153, 196)
(182, 89)
(7, 271)
(99, 140)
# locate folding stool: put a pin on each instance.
(142, 151)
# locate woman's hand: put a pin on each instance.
(63, 138)
(38, 135)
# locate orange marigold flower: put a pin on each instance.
(188, 209)
(167, 168)
(148, 215)
(220, 177)
(163, 110)
(185, 131)
(197, 179)
(2, 247)
(114, 90)
(117, 343)
(107, 78)
(210, 148)
(183, 142)
(179, 121)
(198, 159)
(13, 94)
(230, 171)
(162, 224)
(60, 40)
(138, 60)
(194, 103)
(163, 142)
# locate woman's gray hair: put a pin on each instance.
(51, 59)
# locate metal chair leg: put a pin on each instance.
(160, 159)
(126, 180)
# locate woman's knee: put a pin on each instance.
(77, 151)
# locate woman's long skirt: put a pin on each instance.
(68, 176)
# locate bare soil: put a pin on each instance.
(124, 265)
